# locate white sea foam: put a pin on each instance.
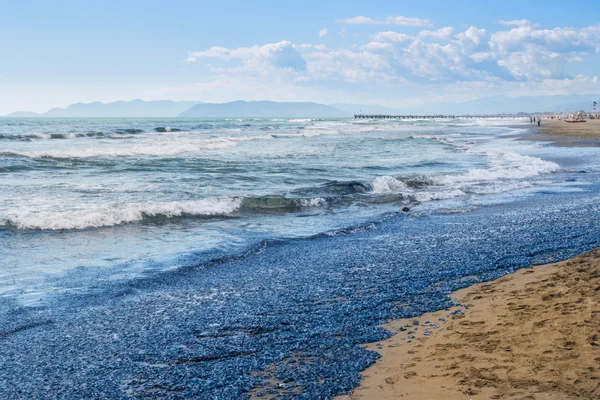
(172, 133)
(249, 138)
(504, 165)
(141, 149)
(438, 195)
(316, 202)
(389, 184)
(508, 171)
(95, 216)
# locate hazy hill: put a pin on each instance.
(168, 108)
(23, 114)
(263, 109)
(134, 108)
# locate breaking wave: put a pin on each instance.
(166, 129)
(504, 165)
(507, 172)
(96, 216)
(101, 216)
(24, 137)
(155, 149)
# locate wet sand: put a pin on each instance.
(531, 335)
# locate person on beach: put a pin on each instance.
(530, 120)
(539, 121)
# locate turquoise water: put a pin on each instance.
(141, 195)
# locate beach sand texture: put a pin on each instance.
(589, 129)
(531, 335)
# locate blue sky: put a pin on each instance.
(395, 53)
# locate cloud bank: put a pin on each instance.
(519, 56)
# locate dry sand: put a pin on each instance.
(589, 129)
(562, 133)
(530, 335)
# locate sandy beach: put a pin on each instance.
(589, 129)
(562, 133)
(530, 335)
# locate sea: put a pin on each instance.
(228, 258)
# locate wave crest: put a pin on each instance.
(128, 151)
(96, 216)
(508, 171)
(102, 216)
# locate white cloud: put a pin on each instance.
(391, 20)
(280, 55)
(323, 32)
(360, 20)
(558, 39)
(521, 58)
(528, 53)
(534, 64)
(517, 22)
(474, 35)
(404, 21)
(306, 46)
(392, 37)
(440, 34)
(431, 55)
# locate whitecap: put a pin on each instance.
(389, 185)
(95, 216)
(316, 202)
(504, 165)
(142, 149)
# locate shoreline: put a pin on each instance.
(282, 316)
(530, 335)
(533, 334)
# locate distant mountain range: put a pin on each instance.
(134, 108)
(169, 108)
(23, 114)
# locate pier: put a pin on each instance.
(386, 116)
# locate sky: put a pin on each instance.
(393, 53)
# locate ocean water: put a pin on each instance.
(197, 257)
(141, 193)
